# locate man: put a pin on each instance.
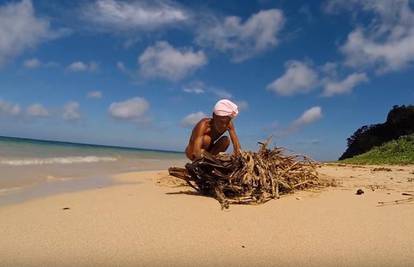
(207, 134)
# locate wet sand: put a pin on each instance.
(151, 219)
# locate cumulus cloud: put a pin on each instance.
(192, 119)
(193, 90)
(243, 40)
(241, 104)
(20, 29)
(299, 77)
(309, 116)
(164, 61)
(71, 111)
(12, 109)
(221, 93)
(79, 66)
(94, 94)
(131, 73)
(32, 63)
(121, 66)
(115, 16)
(196, 87)
(7, 108)
(386, 42)
(199, 87)
(37, 110)
(133, 109)
(332, 87)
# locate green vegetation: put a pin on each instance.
(399, 151)
(399, 122)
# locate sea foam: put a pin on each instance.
(55, 160)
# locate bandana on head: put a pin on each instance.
(225, 107)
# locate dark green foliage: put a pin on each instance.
(400, 122)
(399, 151)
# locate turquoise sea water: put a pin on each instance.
(29, 166)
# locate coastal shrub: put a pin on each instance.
(400, 122)
(399, 151)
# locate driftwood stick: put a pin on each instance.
(249, 178)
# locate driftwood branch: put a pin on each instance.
(250, 178)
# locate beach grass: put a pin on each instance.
(399, 151)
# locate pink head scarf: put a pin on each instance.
(225, 107)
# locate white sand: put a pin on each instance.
(142, 224)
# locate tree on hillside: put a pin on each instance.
(400, 121)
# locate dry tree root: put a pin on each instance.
(250, 178)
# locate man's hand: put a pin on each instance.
(236, 152)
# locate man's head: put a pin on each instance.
(223, 112)
(225, 107)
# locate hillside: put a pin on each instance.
(399, 122)
(399, 151)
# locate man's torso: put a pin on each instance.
(210, 135)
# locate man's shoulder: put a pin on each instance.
(202, 124)
(203, 121)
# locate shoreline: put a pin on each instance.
(149, 218)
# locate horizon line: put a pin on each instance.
(91, 144)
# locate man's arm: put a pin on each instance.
(198, 140)
(234, 139)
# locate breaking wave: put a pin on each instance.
(56, 160)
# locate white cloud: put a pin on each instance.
(193, 90)
(32, 63)
(332, 87)
(133, 109)
(71, 111)
(121, 66)
(243, 40)
(94, 94)
(115, 16)
(241, 104)
(298, 78)
(79, 66)
(20, 29)
(386, 43)
(192, 119)
(221, 93)
(199, 87)
(309, 116)
(329, 69)
(37, 110)
(196, 87)
(164, 61)
(7, 108)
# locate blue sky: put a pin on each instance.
(141, 73)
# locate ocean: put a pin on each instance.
(32, 168)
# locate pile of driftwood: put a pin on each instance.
(250, 178)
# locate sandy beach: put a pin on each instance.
(130, 128)
(151, 219)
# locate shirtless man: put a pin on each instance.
(207, 134)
